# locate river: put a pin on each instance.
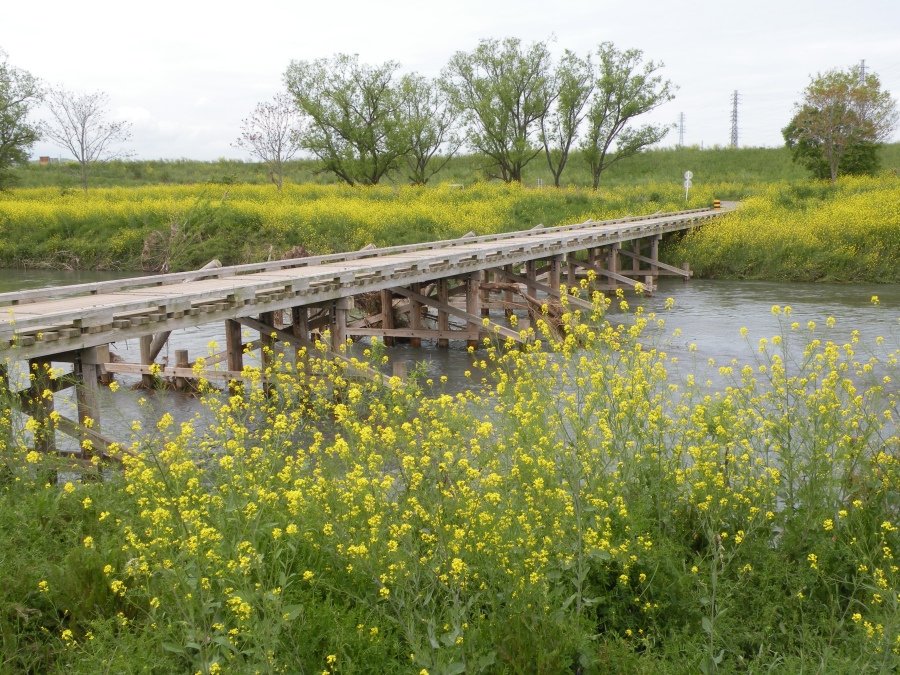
(708, 314)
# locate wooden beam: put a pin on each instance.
(87, 391)
(290, 339)
(460, 314)
(40, 407)
(387, 314)
(612, 275)
(571, 299)
(234, 345)
(473, 304)
(146, 342)
(659, 265)
(415, 318)
(443, 295)
(339, 323)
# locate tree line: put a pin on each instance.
(508, 101)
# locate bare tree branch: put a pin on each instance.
(79, 124)
(272, 135)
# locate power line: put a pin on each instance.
(734, 100)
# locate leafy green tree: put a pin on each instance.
(19, 92)
(430, 125)
(838, 126)
(574, 84)
(352, 116)
(79, 123)
(504, 90)
(625, 89)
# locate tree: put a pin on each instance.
(837, 127)
(19, 92)
(79, 123)
(504, 90)
(352, 113)
(625, 88)
(430, 127)
(272, 134)
(559, 127)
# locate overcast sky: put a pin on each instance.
(186, 73)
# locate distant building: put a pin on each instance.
(44, 161)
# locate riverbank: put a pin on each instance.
(183, 227)
(807, 231)
(344, 526)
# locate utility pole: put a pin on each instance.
(734, 119)
(680, 130)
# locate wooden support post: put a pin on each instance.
(486, 293)
(555, 271)
(531, 275)
(415, 316)
(654, 254)
(234, 347)
(146, 359)
(507, 294)
(340, 309)
(103, 356)
(687, 271)
(473, 304)
(572, 270)
(299, 329)
(635, 262)
(266, 347)
(443, 296)
(613, 264)
(86, 368)
(41, 406)
(266, 342)
(181, 361)
(387, 314)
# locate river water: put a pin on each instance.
(705, 323)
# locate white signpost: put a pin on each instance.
(687, 183)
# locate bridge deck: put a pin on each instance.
(43, 322)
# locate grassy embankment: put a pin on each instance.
(742, 166)
(799, 231)
(108, 228)
(585, 512)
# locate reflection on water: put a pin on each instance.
(708, 314)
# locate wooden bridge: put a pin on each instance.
(401, 292)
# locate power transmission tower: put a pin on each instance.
(734, 119)
(862, 71)
(680, 130)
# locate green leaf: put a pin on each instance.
(707, 625)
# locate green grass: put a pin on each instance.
(720, 165)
